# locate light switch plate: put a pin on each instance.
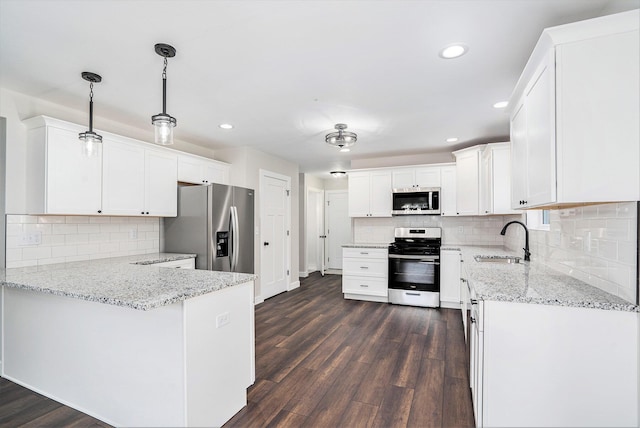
(34, 238)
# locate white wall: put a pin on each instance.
(245, 172)
(596, 244)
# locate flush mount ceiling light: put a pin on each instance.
(163, 122)
(90, 139)
(452, 140)
(453, 51)
(342, 139)
(501, 104)
(225, 126)
(338, 174)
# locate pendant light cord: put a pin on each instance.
(164, 87)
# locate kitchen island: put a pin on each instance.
(131, 343)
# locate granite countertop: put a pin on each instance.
(367, 245)
(131, 281)
(532, 282)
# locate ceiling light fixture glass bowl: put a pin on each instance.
(342, 139)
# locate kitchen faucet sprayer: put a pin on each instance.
(527, 253)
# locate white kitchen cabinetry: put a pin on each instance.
(574, 117)
(495, 179)
(370, 193)
(448, 191)
(427, 176)
(138, 180)
(60, 180)
(450, 279)
(197, 170)
(468, 180)
(178, 264)
(365, 274)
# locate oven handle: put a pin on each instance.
(408, 257)
(428, 263)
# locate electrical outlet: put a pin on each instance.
(34, 238)
(222, 320)
(461, 229)
(133, 234)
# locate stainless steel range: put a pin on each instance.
(414, 267)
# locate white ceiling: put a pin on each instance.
(284, 72)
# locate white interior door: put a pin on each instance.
(338, 226)
(315, 227)
(274, 229)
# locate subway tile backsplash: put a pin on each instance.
(40, 240)
(596, 244)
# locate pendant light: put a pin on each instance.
(163, 122)
(341, 139)
(89, 140)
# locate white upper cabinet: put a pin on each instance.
(448, 191)
(128, 177)
(138, 179)
(575, 115)
(468, 180)
(123, 169)
(60, 179)
(427, 176)
(160, 183)
(370, 193)
(198, 170)
(495, 179)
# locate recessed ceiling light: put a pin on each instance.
(501, 104)
(452, 140)
(453, 51)
(226, 126)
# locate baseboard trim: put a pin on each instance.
(294, 285)
(257, 300)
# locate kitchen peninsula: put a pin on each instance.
(131, 343)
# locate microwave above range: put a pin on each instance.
(416, 201)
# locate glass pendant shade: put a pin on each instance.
(89, 144)
(163, 124)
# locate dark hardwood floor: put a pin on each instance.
(323, 361)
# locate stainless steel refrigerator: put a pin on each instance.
(216, 223)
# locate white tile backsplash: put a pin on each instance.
(596, 244)
(76, 238)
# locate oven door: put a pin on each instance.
(409, 272)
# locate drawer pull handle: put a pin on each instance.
(361, 252)
(364, 267)
(363, 285)
(412, 294)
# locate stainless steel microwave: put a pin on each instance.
(416, 201)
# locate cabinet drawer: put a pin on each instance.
(364, 285)
(371, 253)
(365, 267)
(178, 264)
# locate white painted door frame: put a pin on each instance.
(264, 174)
(313, 232)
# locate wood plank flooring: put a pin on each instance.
(323, 361)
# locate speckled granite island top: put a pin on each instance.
(532, 282)
(131, 281)
(369, 245)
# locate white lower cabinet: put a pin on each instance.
(450, 279)
(550, 366)
(365, 273)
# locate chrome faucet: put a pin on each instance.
(527, 253)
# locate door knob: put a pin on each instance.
(265, 244)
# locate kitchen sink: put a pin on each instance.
(498, 259)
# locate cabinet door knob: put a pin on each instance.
(147, 212)
(141, 212)
(99, 211)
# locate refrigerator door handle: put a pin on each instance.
(236, 238)
(231, 241)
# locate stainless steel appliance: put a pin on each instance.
(216, 223)
(414, 267)
(416, 201)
